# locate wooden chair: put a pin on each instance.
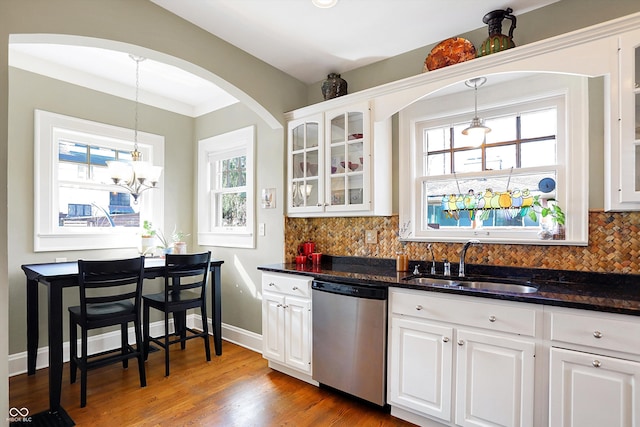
(185, 283)
(110, 294)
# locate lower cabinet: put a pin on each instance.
(591, 390)
(286, 323)
(443, 368)
(594, 369)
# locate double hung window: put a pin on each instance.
(226, 190)
(488, 188)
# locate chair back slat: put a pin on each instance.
(186, 272)
(110, 281)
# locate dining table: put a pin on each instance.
(57, 276)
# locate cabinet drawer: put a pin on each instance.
(288, 284)
(517, 318)
(609, 332)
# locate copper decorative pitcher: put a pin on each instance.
(497, 41)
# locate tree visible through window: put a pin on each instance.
(232, 176)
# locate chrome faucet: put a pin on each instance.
(433, 259)
(463, 253)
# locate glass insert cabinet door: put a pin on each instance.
(305, 164)
(625, 168)
(347, 158)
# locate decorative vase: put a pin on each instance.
(497, 41)
(147, 245)
(180, 248)
(334, 86)
(402, 262)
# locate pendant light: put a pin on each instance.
(476, 130)
(324, 4)
(138, 175)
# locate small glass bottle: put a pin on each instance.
(447, 267)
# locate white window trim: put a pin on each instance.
(48, 236)
(576, 155)
(241, 139)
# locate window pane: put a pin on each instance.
(540, 153)
(99, 155)
(312, 135)
(467, 161)
(502, 157)
(502, 129)
(538, 123)
(438, 164)
(81, 207)
(234, 209)
(72, 172)
(298, 137)
(436, 139)
(72, 152)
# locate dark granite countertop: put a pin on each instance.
(614, 293)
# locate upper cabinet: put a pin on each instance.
(331, 162)
(624, 187)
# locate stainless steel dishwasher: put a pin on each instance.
(350, 338)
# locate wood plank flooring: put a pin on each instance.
(235, 389)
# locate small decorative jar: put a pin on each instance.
(334, 86)
(402, 262)
(497, 41)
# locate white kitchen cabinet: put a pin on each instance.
(286, 323)
(623, 189)
(592, 390)
(455, 354)
(331, 161)
(594, 369)
(495, 380)
(420, 375)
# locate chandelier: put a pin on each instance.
(135, 176)
(477, 130)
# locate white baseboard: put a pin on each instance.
(111, 340)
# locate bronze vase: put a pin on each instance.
(334, 86)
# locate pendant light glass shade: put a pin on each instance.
(476, 130)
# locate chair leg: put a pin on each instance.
(205, 331)
(83, 369)
(73, 349)
(145, 322)
(124, 343)
(166, 343)
(140, 350)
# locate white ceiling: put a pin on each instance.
(292, 35)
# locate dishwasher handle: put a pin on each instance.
(349, 289)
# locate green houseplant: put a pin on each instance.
(548, 208)
(147, 238)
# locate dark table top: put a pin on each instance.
(614, 293)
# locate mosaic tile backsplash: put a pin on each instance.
(614, 244)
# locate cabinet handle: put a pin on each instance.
(460, 342)
(445, 339)
(279, 305)
(319, 204)
(492, 319)
(285, 306)
(418, 307)
(271, 284)
(295, 288)
(596, 363)
(597, 334)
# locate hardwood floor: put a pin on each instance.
(235, 389)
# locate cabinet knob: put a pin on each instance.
(460, 342)
(596, 363)
(279, 305)
(285, 306)
(445, 339)
(319, 205)
(597, 334)
(492, 319)
(272, 284)
(418, 307)
(295, 288)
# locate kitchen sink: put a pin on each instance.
(480, 285)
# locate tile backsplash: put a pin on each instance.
(614, 244)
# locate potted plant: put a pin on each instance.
(179, 244)
(165, 245)
(147, 238)
(554, 227)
